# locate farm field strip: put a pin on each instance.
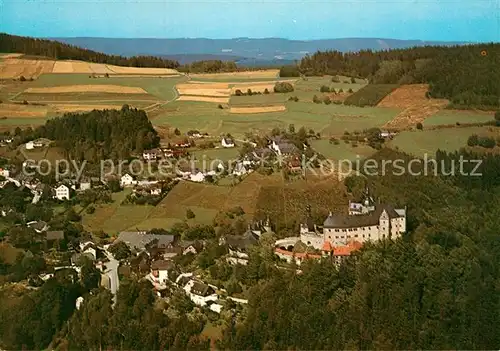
(222, 100)
(452, 117)
(113, 89)
(258, 109)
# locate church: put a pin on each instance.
(366, 221)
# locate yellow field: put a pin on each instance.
(212, 90)
(221, 100)
(15, 68)
(12, 67)
(81, 108)
(258, 109)
(269, 73)
(116, 89)
(10, 56)
(22, 111)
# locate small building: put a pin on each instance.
(85, 184)
(200, 293)
(4, 173)
(240, 169)
(38, 226)
(30, 145)
(159, 270)
(227, 142)
(62, 192)
(151, 155)
(127, 180)
(238, 246)
(197, 177)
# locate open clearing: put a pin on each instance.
(421, 142)
(257, 100)
(116, 89)
(342, 151)
(258, 109)
(417, 107)
(22, 111)
(452, 117)
(330, 120)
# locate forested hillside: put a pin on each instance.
(60, 51)
(466, 75)
(437, 288)
(101, 134)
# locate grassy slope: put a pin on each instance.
(446, 117)
(342, 151)
(419, 142)
(330, 119)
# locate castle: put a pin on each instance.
(366, 221)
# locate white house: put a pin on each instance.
(200, 293)
(240, 169)
(159, 271)
(127, 180)
(89, 248)
(62, 192)
(197, 177)
(30, 145)
(227, 142)
(4, 173)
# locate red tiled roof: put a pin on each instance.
(347, 249)
(327, 246)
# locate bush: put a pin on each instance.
(220, 106)
(497, 116)
(90, 209)
(327, 100)
(420, 126)
(335, 79)
(341, 90)
(473, 140)
(350, 91)
(353, 80)
(316, 100)
(190, 214)
(238, 92)
(25, 102)
(486, 142)
(22, 79)
(249, 92)
(266, 91)
(324, 89)
(283, 87)
(337, 102)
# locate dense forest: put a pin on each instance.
(466, 75)
(209, 66)
(99, 135)
(437, 288)
(61, 51)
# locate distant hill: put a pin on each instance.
(184, 59)
(268, 49)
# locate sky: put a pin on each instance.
(442, 20)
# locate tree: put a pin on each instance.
(177, 131)
(473, 140)
(249, 92)
(238, 92)
(497, 117)
(90, 209)
(353, 80)
(316, 100)
(120, 250)
(190, 214)
(420, 126)
(291, 129)
(324, 89)
(283, 87)
(220, 107)
(22, 79)
(266, 91)
(90, 276)
(327, 100)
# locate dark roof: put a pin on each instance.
(242, 242)
(54, 235)
(162, 265)
(198, 245)
(370, 219)
(201, 289)
(228, 140)
(288, 148)
(139, 240)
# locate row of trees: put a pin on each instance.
(60, 51)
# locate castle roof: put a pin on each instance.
(369, 219)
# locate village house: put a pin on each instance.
(62, 192)
(200, 293)
(151, 155)
(127, 180)
(283, 147)
(53, 235)
(4, 173)
(159, 271)
(38, 226)
(141, 241)
(227, 142)
(238, 246)
(240, 169)
(197, 177)
(190, 247)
